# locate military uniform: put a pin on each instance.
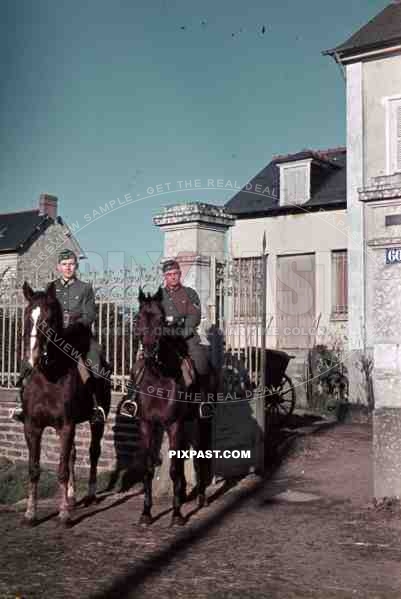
(77, 301)
(183, 311)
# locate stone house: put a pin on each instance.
(30, 241)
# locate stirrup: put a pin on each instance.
(17, 414)
(98, 415)
(129, 408)
(206, 410)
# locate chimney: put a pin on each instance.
(48, 205)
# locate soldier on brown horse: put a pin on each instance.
(77, 301)
(55, 395)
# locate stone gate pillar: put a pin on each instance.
(193, 233)
(383, 327)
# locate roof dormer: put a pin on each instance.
(295, 182)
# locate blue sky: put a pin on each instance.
(104, 98)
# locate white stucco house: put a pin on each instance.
(371, 61)
(299, 202)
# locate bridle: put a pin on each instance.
(151, 352)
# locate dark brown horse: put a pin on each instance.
(56, 396)
(164, 401)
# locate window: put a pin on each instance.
(295, 182)
(247, 287)
(394, 135)
(339, 265)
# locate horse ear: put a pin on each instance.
(141, 296)
(51, 292)
(27, 291)
(158, 296)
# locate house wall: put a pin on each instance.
(316, 233)
(8, 265)
(381, 79)
(368, 83)
(313, 233)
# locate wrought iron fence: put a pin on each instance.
(116, 295)
(240, 286)
(237, 315)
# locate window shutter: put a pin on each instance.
(296, 180)
(339, 283)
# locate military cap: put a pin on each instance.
(67, 255)
(170, 265)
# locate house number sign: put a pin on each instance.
(393, 255)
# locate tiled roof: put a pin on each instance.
(381, 31)
(328, 185)
(19, 228)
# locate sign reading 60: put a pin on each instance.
(393, 255)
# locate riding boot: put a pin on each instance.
(98, 413)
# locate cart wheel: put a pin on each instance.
(280, 403)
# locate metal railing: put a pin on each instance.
(116, 306)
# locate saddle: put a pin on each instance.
(129, 404)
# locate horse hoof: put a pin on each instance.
(29, 522)
(65, 522)
(145, 520)
(178, 520)
(89, 500)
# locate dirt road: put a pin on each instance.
(309, 532)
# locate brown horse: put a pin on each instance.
(164, 401)
(56, 396)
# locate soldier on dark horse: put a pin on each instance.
(174, 385)
(78, 306)
(182, 310)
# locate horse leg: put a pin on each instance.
(67, 441)
(71, 480)
(33, 438)
(176, 471)
(147, 434)
(205, 463)
(202, 465)
(97, 430)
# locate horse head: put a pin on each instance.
(42, 320)
(150, 321)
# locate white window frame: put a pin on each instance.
(286, 167)
(390, 159)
